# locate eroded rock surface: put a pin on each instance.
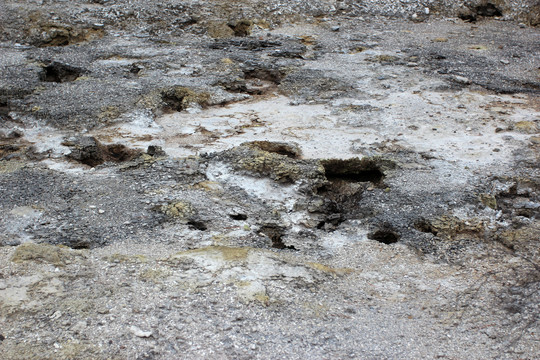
(249, 179)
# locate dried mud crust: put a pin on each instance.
(269, 180)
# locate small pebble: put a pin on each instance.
(140, 333)
(461, 79)
(101, 211)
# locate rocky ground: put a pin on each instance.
(247, 179)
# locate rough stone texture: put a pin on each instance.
(269, 179)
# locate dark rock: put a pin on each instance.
(89, 151)
(86, 150)
(156, 151)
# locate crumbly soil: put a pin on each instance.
(239, 180)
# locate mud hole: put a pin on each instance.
(89, 151)
(347, 180)
(197, 225)
(238, 217)
(353, 170)
(385, 235)
(60, 72)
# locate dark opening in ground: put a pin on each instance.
(4, 108)
(278, 244)
(241, 27)
(275, 233)
(239, 217)
(355, 169)
(487, 10)
(331, 221)
(385, 236)
(425, 226)
(89, 151)
(347, 181)
(78, 244)
(197, 225)
(60, 73)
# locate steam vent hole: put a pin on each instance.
(60, 73)
(385, 236)
(354, 170)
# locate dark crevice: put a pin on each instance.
(197, 225)
(238, 217)
(425, 226)
(4, 108)
(488, 10)
(275, 233)
(278, 244)
(89, 151)
(356, 170)
(241, 27)
(485, 10)
(79, 245)
(343, 192)
(374, 176)
(60, 73)
(385, 235)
